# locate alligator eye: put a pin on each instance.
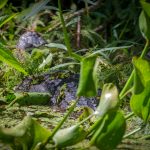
(30, 39)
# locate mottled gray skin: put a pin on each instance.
(30, 39)
(59, 96)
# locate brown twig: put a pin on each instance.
(78, 32)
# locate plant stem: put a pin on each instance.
(129, 115)
(87, 118)
(127, 85)
(66, 38)
(132, 132)
(128, 91)
(94, 137)
(65, 117)
(145, 137)
(59, 125)
(130, 80)
(95, 124)
(145, 48)
(76, 56)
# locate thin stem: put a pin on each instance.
(90, 116)
(128, 91)
(76, 56)
(95, 124)
(66, 38)
(60, 124)
(145, 137)
(130, 80)
(94, 137)
(145, 49)
(65, 117)
(132, 132)
(67, 42)
(129, 115)
(127, 85)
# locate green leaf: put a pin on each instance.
(3, 3)
(46, 62)
(140, 103)
(69, 136)
(88, 77)
(140, 100)
(145, 6)
(111, 49)
(7, 57)
(110, 131)
(142, 74)
(109, 99)
(57, 45)
(7, 19)
(40, 134)
(31, 98)
(3, 17)
(63, 65)
(73, 21)
(26, 135)
(144, 24)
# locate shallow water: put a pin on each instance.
(63, 90)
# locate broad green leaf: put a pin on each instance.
(144, 24)
(69, 136)
(142, 74)
(140, 103)
(109, 99)
(7, 135)
(40, 134)
(3, 3)
(7, 57)
(31, 98)
(26, 135)
(146, 7)
(88, 78)
(110, 131)
(140, 100)
(57, 45)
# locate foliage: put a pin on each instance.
(115, 125)
(140, 103)
(93, 43)
(31, 98)
(27, 135)
(6, 56)
(109, 99)
(69, 136)
(88, 77)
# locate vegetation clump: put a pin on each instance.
(86, 87)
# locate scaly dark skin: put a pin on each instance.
(30, 39)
